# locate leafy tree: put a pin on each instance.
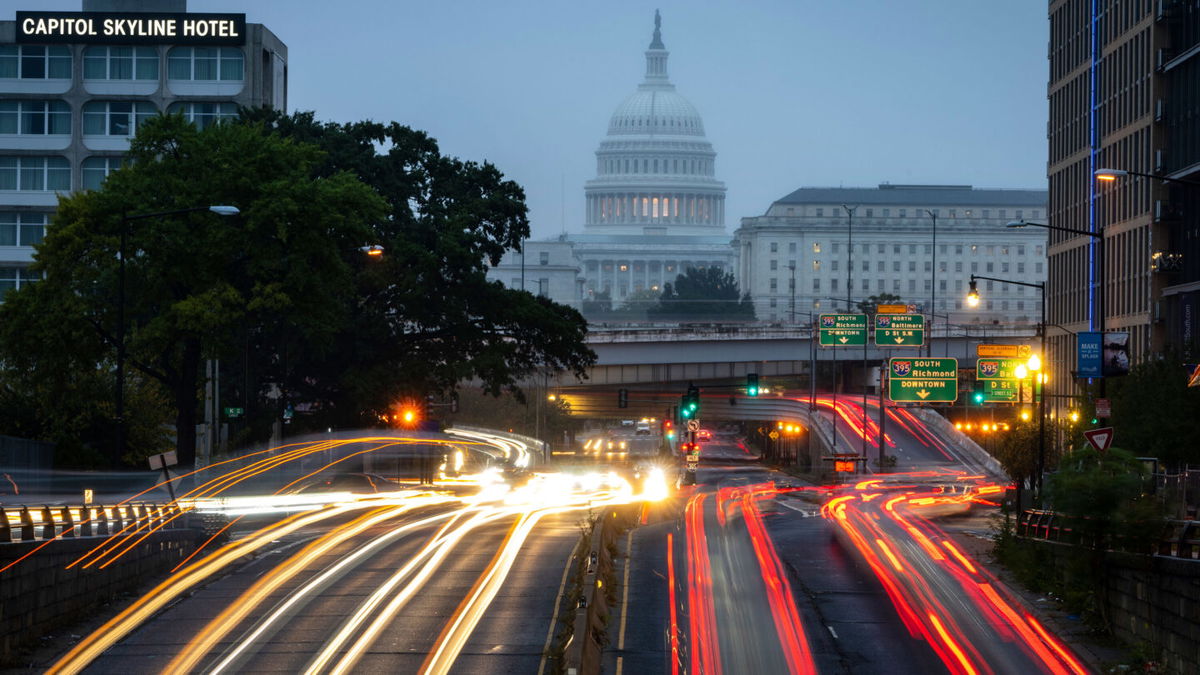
(426, 317)
(703, 294)
(868, 306)
(1155, 410)
(193, 281)
(1017, 450)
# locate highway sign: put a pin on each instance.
(891, 309)
(1003, 351)
(234, 412)
(913, 380)
(843, 330)
(1000, 381)
(899, 330)
(1103, 407)
(1101, 439)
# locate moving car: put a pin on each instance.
(704, 435)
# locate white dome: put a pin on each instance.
(655, 109)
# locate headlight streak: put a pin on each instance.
(164, 593)
(232, 615)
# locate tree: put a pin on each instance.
(426, 316)
(1155, 410)
(868, 306)
(703, 294)
(193, 282)
(599, 306)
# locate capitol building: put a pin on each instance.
(654, 209)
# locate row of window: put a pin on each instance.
(943, 249)
(943, 266)
(101, 118)
(53, 174)
(880, 285)
(921, 213)
(36, 62)
(942, 304)
(14, 277)
(678, 167)
(22, 229)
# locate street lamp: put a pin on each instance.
(373, 250)
(220, 210)
(1034, 364)
(1109, 175)
(932, 285)
(849, 252)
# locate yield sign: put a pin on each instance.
(1100, 438)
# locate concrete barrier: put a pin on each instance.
(39, 594)
(582, 654)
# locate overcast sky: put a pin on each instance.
(793, 92)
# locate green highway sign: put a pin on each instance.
(234, 412)
(914, 380)
(899, 330)
(1000, 383)
(843, 330)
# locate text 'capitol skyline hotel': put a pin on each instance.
(75, 85)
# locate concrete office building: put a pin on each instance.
(75, 86)
(1124, 92)
(547, 268)
(794, 259)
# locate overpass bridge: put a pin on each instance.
(642, 355)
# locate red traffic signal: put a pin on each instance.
(688, 448)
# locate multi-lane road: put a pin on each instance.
(749, 571)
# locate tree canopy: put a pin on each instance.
(283, 292)
(703, 294)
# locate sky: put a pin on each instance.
(793, 93)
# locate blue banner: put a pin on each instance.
(1089, 362)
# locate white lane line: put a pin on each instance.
(625, 594)
(797, 509)
(557, 601)
(834, 632)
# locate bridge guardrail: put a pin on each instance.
(40, 523)
(967, 449)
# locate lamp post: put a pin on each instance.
(849, 252)
(932, 286)
(792, 310)
(1109, 175)
(1101, 269)
(1034, 365)
(119, 451)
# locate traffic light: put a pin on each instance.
(622, 398)
(752, 384)
(977, 396)
(686, 410)
(692, 400)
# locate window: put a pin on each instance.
(974, 249)
(95, 169)
(35, 173)
(896, 249)
(991, 250)
(1020, 268)
(1003, 304)
(516, 283)
(887, 213)
(903, 213)
(958, 266)
(928, 284)
(1003, 267)
(912, 265)
(991, 304)
(1003, 250)
(774, 284)
(833, 284)
(1020, 305)
(958, 249)
(205, 114)
(1037, 268)
(928, 249)
(774, 247)
(816, 265)
(941, 284)
(870, 213)
(772, 303)
(895, 265)
(987, 213)
(1038, 250)
(912, 285)
(866, 265)
(205, 63)
(543, 286)
(942, 266)
(928, 266)
(991, 267)
(14, 277)
(1021, 250)
(35, 62)
(1003, 213)
(774, 265)
(35, 118)
(115, 118)
(816, 284)
(816, 248)
(953, 213)
(974, 267)
(791, 247)
(942, 249)
(881, 248)
(912, 249)
(958, 284)
(820, 213)
(816, 304)
(833, 265)
(879, 266)
(836, 246)
(22, 229)
(1020, 214)
(120, 63)
(896, 285)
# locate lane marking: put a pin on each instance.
(797, 509)
(625, 595)
(834, 632)
(557, 602)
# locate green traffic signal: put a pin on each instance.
(686, 412)
(977, 398)
(752, 384)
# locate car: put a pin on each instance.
(358, 483)
(704, 435)
(643, 429)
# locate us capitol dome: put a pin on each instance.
(655, 207)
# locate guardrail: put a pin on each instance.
(26, 523)
(1181, 538)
